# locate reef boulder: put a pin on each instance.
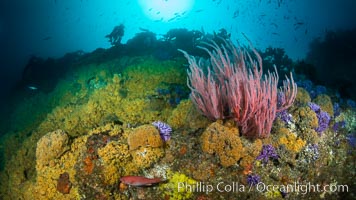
(51, 146)
(145, 136)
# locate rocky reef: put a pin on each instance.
(97, 127)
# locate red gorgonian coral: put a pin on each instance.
(231, 84)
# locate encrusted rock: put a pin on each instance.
(51, 146)
(144, 136)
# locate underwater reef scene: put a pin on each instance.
(142, 120)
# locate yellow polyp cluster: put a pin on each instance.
(252, 150)
(144, 157)
(186, 115)
(223, 141)
(273, 194)
(144, 78)
(44, 186)
(178, 187)
(325, 103)
(302, 97)
(78, 118)
(350, 118)
(126, 97)
(114, 156)
(144, 136)
(306, 118)
(110, 128)
(137, 111)
(178, 119)
(292, 143)
(90, 100)
(50, 147)
(145, 145)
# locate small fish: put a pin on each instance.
(236, 14)
(279, 3)
(32, 87)
(144, 29)
(298, 23)
(274, 24)
(47, 38)
(140, 181)
(171, 19)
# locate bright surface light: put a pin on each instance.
(165, 10)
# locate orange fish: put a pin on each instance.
(139, 180)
